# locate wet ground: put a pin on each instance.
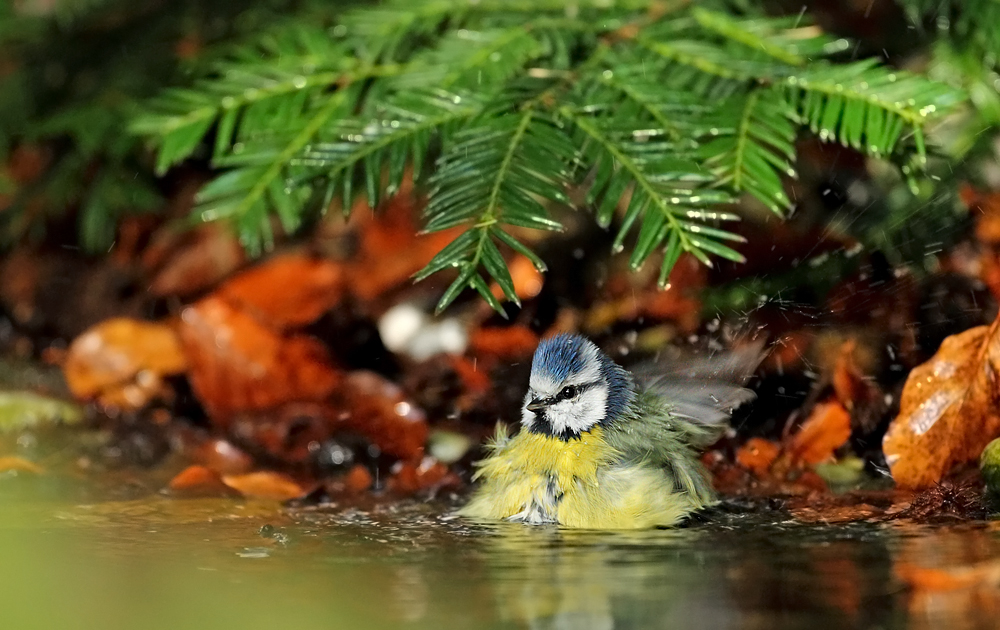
(156, 562)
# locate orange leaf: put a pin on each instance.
(358, 479)
(378, 409)
(19, 464)
(823, 432)
(237, 364)
(757, 455)
(948, 410)
(410, 477)
(286, 291)
(188, 263)
(222, 456)
(527, 279)
(264, 485)
(510, 342)
(985, 208)
(391, 248)
(195, 478)
(121, 360)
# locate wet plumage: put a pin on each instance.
(604, 448)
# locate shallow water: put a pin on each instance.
(156, 562)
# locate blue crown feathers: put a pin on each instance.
(563, 355)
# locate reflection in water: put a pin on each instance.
(160, 563)
(973, 606)
(552, 579)
(747, 575)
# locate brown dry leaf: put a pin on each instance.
(509, 342)
(122, 361)
(633, 296)
(391, 248)
(409, 477)
(757, 455)
(848, 381)
(189, 262)
(824, 431)
(358, 479)
(197, 478)
(237, 364)
(222, 456)
(12, 462)
(286, 291)
(528, 281)
(378, 409)
(265, 485)
(985, 208)
(948, 410)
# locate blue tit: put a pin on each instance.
(604, 448)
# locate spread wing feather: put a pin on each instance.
(681, 408)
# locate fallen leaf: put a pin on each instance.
(358, 479)
(184, 263)
(948, 409)
(19, 464)
(509, 342)
(122, 361)
(527, 280)
(824, 431)
(390, 246)
(238, 364)
(264, 485)
(365, 405)
(631, 296)
(985, 209)
(196, 478)
(286, 291)
(859, 395)
(757, 455)
(378, 409)
(288, 432)
(409, 477)
(222, 457)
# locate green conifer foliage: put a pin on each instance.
(662, 112)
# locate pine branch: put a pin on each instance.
(402, 134)
(220, 199)
(752, 146)
(866, 106)
(666, 209)
(487, 180)
(662, 112)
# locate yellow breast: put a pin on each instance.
(576, 483)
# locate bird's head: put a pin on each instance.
(573, 388)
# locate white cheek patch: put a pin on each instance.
(579, 414)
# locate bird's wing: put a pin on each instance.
(701, 389)
(682, 407)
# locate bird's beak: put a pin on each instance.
(536, 405)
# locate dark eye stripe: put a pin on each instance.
(572, 391)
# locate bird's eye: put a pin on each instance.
(567, 392)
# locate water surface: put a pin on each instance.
(155, 562)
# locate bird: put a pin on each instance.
(601, 447)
